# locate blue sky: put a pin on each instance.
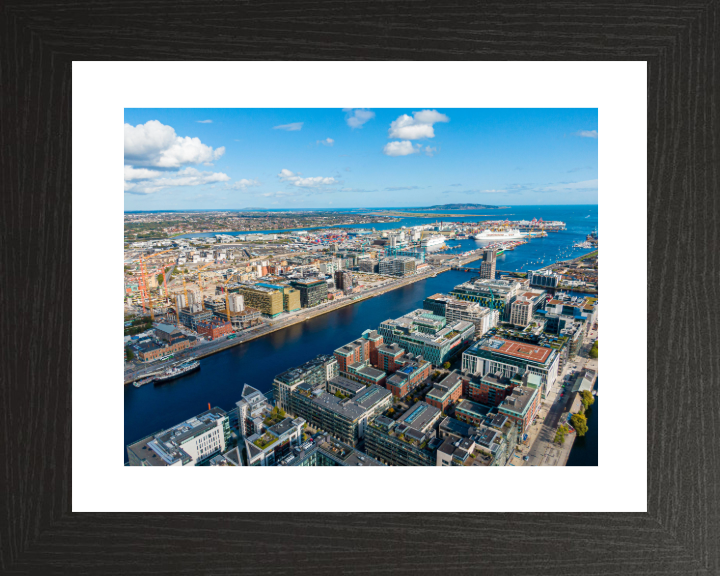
(333, 158)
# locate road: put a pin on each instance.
(541, 449)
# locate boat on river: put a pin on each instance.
(178, 370)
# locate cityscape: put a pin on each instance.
(426, 330)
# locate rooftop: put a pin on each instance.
(473, 407)
(455, 427)
(347, 384)
(419, 415)
(520, 350)
(519, 400)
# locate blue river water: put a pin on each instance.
(222, 375)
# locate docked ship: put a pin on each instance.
(513, 234)
(177, 371)
(433, 242)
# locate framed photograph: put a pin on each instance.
(390, 266)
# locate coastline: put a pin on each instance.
(271, 230)
(426, 215)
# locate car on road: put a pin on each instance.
(526, 458)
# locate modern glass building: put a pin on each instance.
(312, 292)
(425, 334)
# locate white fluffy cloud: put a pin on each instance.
(204, 121)
(419, 125)
(587, 133)
(310, 182)
(140, 173)
(357, 117)
(245, 183)
(185, 177)
(326, 142)
(290, 127)
(155, 144)
(402, 148)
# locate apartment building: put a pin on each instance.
(521, 407)
(408, 441)
(454, 309)
(445, 392)
(189, 443)
(252, 409)
(316, 371)
(397, 266)
(344, 418)
(275, 443)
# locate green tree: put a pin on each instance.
(587, 398)
(594, 350)
(130, 355)
(560, 434)
(446, 365)
(579, 422)
(281, 413)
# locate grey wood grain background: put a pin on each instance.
(680, 534)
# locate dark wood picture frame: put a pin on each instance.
(680, 533)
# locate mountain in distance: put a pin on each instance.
(465, 207)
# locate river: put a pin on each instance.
(222, 375)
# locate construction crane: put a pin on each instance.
(167, 296)
(143, 281)
(202, 285)
(227, 300)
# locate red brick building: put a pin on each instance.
(150, 351)
(522, 406)
(445, 392)
(375, 340)
(356, 351)
(389, 356)
(214, 329)
(409, 375)
(490, 389)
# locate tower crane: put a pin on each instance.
(143, 284)
(202, 284)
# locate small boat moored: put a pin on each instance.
(144, 381)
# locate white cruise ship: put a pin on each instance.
(432, 242)
(513, 234)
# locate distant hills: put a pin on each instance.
(465, 207)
